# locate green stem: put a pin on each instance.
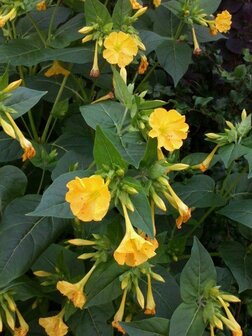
(122, 121)
(147, 76)
(49, 120)
(37, 29)
(41, 181)
(52, 21)
(179, 30)
(234, 184)
(226, 178)
(202, 219)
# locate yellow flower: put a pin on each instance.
(7, 17)
(135, 4)
(223, 21)
(119, 314)
(95, 71)
(12, 86)
(120, 48)
(169, 128)
(24, 328)
(56, 69)
(10, 128)
(89, 198)
(54, 325)
(196, 51)
(143, 65)
(150, 303)
(237, 333)
(133, 249)
(74, 291)
(41, 6)
(156, 3)
(203, 166)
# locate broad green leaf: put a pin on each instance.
(209, 7)
(107, 285)
(108, 114)
(121, 90)
(187, 320)
(141, 217)
(53, 201)
(4, 79)
(231, 152)
(92, 321)
(151, 40)
(150, 154)
(23, 99)
(29, 52)
(10, 149)
(12, 185)
(154, 326)
(199, 192)
(248, 157)
(105, 152)
(121, 10)
(239, 211)
(198, 273)
(175, 58)
(96, 12)
(24, 238)
(239, 261)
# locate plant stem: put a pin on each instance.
(179, 30)
(52, 21)
(122, 121)
(41, 181)
(37, 29)
(49, 120)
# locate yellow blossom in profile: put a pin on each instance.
(223, 21)
(133, 249)
(143, 65)
(54, 325)
(120, 49)
(41, 6)
(150, 303)
(89, 198)
(75, 291)
(7, 17)
(156, 3)
(169, 127)
(119, 314)
(12, 86)
(237, 333)
(135, 4)
(56, 69)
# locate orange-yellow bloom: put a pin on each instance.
(89, 198)
(204, 165)
(74, 291)
(54, 325)
(56, 69)
(169, 127)
(143, 65)
(223, 21)
(119, 314)
(135, 4)
(237, 333)
(133, 249)
(24, 328)
(156, 3)
(120, 49)
(41, 6)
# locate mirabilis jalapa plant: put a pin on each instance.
(102, 240)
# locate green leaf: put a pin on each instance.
(141, 217)
(96, 12)
(121, 90)
(93, 321)
(239, 211)
(187, 320)
(151, 40)
(198, 273)
(23, 99)
(121, 10)
(199, 192)
(248, 157)
(154, 326)
(12, 185)
(10, 149)
(150, 154)
(24, 238)
(232, 152)
(175, 58)
(209, 7)
(105, 152)
(53, 200)
(239, 261)
(107, 285)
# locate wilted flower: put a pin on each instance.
(74, 291)
(54, 325)
(56, 69)
(143, 65)
(89, 198)
(133, 249)
(41, 6)
(169, 128)
(120, 48)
